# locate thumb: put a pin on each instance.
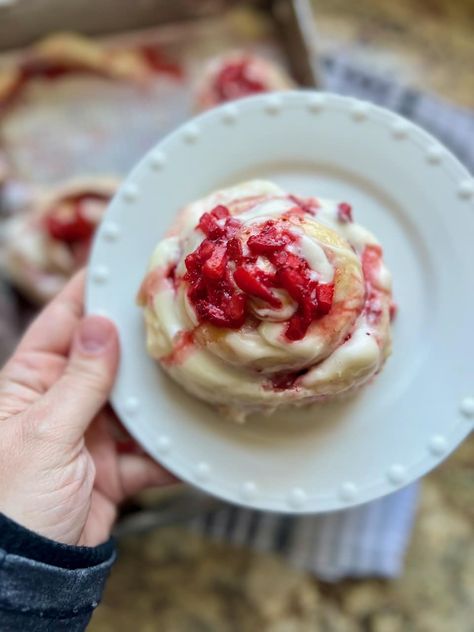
(84, 387)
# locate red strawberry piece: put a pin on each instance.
(220, 211)
(344, 213)
(295, 262)
(294, 283)
(297, 326)
(69, 224)
(232, 226)
(211, 313)
(248, 281)
(287, 260)
(235, 310)
(325, 296)
(215, 266)
(209, 226)
(393, 310)
(192, 262)
(371, 261)
(234, 81)
(230, 315)
(266, 243)
(205, 250)
(234, 249)
(279, 259)
(309, 302)
(198, 290)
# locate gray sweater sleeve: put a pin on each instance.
(48, 586)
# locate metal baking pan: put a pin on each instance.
(23, 22)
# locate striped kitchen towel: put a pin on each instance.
(369, 540)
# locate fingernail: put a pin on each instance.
(94, 334)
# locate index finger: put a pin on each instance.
(53, 328)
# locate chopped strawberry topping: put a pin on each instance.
(231, 226)
(220, 211)
(68, 221)
(206, 249)
(235, 250)
(75, 228)
(209, 226)
(325, 294)
(223, 278)
(235, 308)
(269, 239)
(297, 326)
(344, 213)
(287, 259)
(230, 313)
(249, 282)
(211, 289)
(215, 266)
(235, 81)
(294, 283)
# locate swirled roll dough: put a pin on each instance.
(51, 240)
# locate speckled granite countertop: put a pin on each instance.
(174, 582)
(425, 43)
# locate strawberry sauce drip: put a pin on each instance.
(158, 62)
(71, 225)
(183, 344)
(171, 274)
(235, 81)
(308, 205)
(222, 279)
(371, 261)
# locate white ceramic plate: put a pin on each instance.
(403, 185)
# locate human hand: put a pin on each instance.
(61, 474)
